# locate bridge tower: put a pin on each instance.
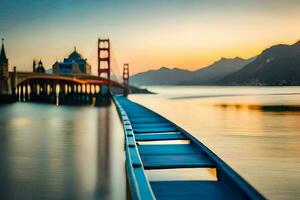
(104, 58)
(126, 78)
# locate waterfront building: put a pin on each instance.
(4, 75)
(72, 64)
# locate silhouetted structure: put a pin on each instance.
(73, 64)
(5, 88)
(33, 66)
(40, 68)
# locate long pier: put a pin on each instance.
(143, 125)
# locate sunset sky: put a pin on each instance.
(147, 34)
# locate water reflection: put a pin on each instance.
(50, 152)
(267, 108)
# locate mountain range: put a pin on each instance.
(277, 65)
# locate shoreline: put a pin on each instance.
(5, 99)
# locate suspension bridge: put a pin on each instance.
(74, 87)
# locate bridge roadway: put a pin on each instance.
(74, 78)
(142, 126)
(67, 88)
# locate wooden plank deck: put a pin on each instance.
(143, 125)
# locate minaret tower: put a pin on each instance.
(3, 62)
(33, 65)
(4, 76)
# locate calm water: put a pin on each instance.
(63, 152)
(263, 145)
(51, 152)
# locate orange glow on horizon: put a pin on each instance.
(191, 41)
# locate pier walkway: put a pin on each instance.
(142, 125)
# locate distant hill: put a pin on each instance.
(162, 76)
(278, 65)
(218, 70)
(176, 76)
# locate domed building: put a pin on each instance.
(73, 64)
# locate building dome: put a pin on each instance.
(74, 55)
(74, 63)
